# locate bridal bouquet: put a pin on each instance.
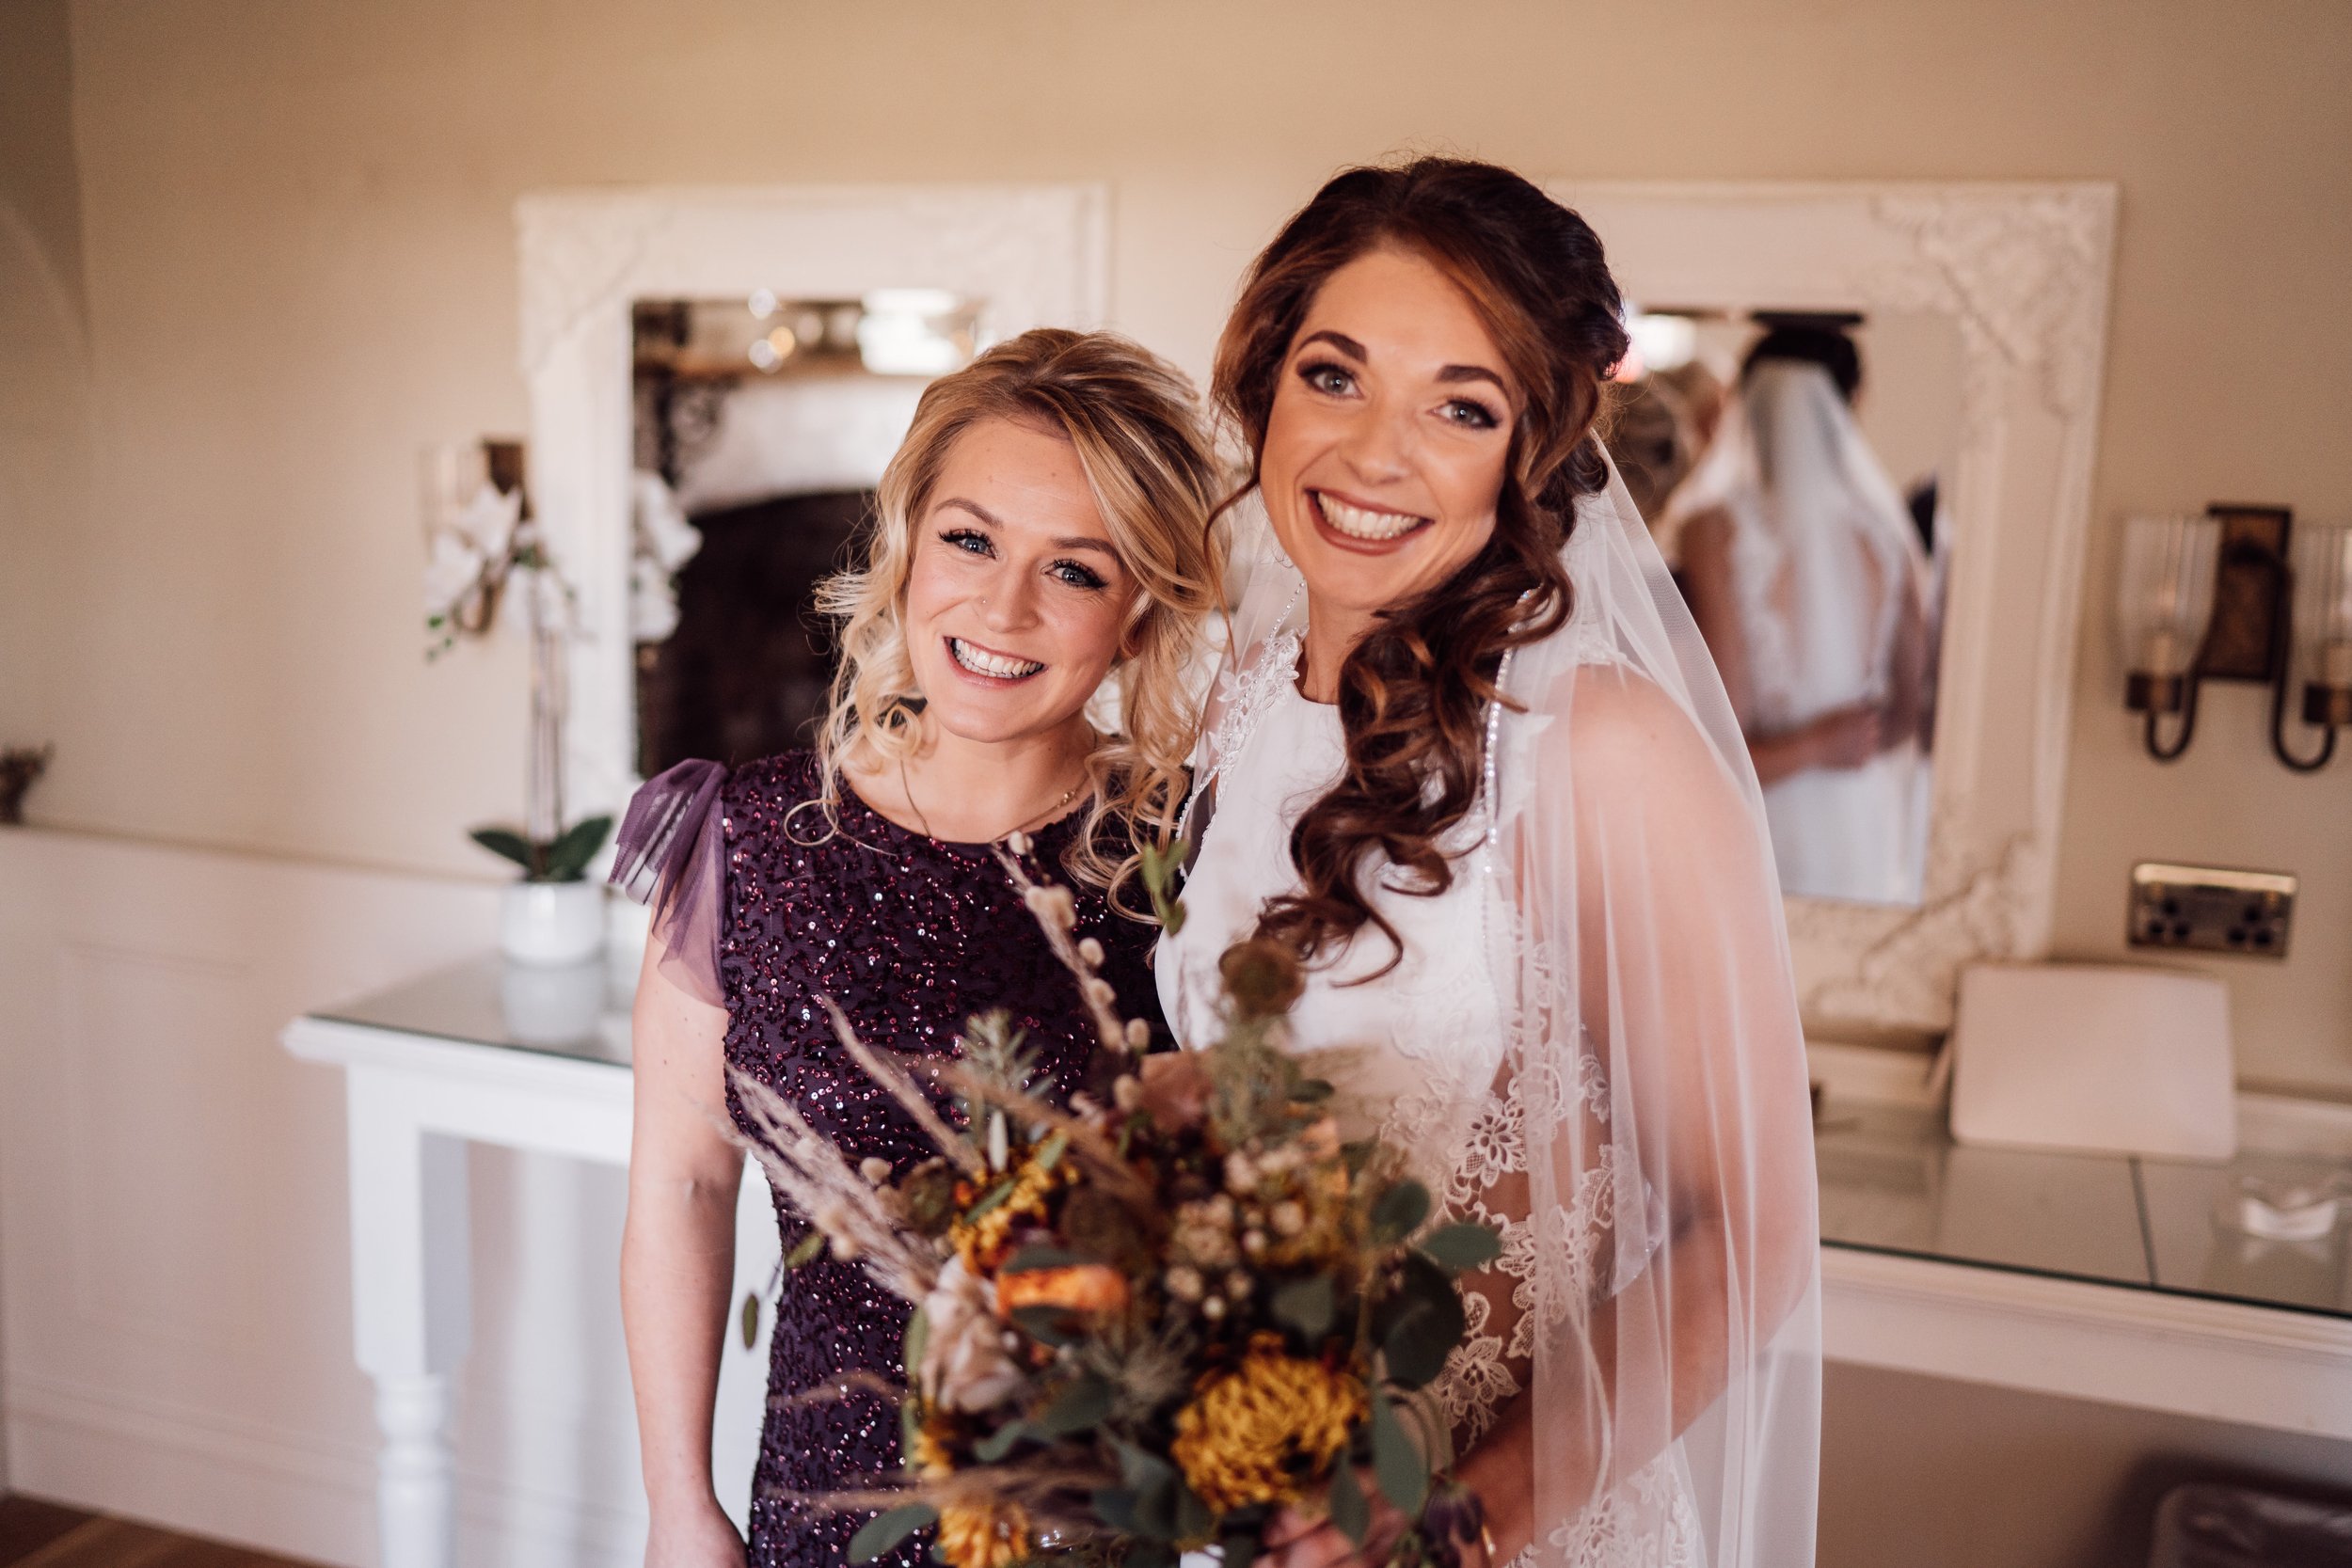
(1149, 1322)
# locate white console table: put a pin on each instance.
(2093, 1278)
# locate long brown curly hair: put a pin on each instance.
(1413, 694)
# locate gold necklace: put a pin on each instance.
(906, 786)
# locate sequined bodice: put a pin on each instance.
(910, 936)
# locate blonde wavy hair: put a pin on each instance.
(1134, 423)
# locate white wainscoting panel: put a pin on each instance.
(175, 1300)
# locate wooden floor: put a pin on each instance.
(35, 1534)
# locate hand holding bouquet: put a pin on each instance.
(1154, 1321)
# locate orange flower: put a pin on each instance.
(983, 1535)
(1082, 1287)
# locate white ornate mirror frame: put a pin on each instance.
(1034, 255)
(2023, 270)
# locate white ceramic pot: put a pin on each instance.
(549, 1006)
(551, 924)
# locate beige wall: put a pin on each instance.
(299, 268)
(45, 409)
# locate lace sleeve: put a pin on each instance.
(672, 854)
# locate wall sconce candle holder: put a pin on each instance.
(2221, 597)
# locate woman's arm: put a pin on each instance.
(678, 1262)
(1683, 993)
(1906, 710)
(1714, 600)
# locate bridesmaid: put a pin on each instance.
(1044, 526)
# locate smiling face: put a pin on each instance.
(1388, 437)
(1015, 599)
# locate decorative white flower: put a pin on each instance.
(547, 593)
(487, 521)
(965, 1366)
(663, 534)
(652, 602)
(452, 574)
(665, 541)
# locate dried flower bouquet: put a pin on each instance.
(1153, 1321)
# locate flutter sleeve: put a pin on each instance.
(672, 855)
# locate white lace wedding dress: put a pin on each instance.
(1589, 1041)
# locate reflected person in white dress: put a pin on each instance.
(1472, 763)
(1807, 579)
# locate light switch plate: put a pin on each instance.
(2211, 909)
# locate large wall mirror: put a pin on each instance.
(717, 379)
(1860, 420)
(1862, 427)
(761, 425)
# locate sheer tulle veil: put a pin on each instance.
(1646, 1146)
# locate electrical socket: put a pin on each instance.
(2214, 911)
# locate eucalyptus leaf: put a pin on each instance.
(1049, 1153)
(1039, 1255)
(990, 1199)
(1462, 1248)
(1399, 1211)
(751, 1318)
(918, 1340)
(1306, 1305)
(1116, 1506)
(1192, 1518)
(1351, 1512)
(1155, 1481)
(1155, 1507)
(1047, 1325)
(997, 1444)
(1396, 1463)
(806, 1250)
(886, 1530)
(1080, 1407)
(1140, 1469)
(1416, 1346)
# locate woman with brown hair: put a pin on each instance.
(1472, 766)
(1043, 529)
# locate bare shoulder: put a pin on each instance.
(1618, 739)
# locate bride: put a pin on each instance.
(1473, 765)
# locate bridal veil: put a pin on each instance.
(1652, 1330)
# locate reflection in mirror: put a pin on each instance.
(1796, 470)
(762, 427)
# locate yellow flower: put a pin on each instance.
(1261, 1431)
(981, 1242)
(928, 1456)
(983, 1535)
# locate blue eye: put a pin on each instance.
(969, 540)
(1326, 377)
(1470, 415)
(1077, 575)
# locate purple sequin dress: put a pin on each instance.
(765, 910)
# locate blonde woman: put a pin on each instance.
(1045, 528)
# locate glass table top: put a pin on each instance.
(581, 1011)
(1892, 1179)
(1893, 1182)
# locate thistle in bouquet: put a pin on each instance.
(1157, 1319)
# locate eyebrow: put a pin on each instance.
(1067, 542)
(1449, 374)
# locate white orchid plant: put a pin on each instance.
(477, 549)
